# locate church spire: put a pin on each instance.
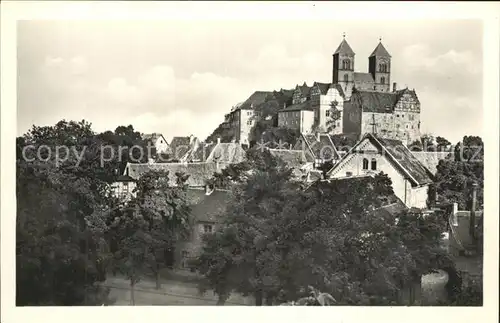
(344, 48)
(380, 50)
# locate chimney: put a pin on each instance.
(394, 87)
(218, 140)
(472, 224)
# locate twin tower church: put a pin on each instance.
(378, 77)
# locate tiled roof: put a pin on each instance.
(207, 208)
(399, 155)
(344, 48)
(430, 159)
(180, 146)
(304, 89)
(257, 98)
(202, 152)
(363, 77)
(380, 51)
(198, 172)
(293, 158)
(323, 87)
(322, 148)
(405, 158)
(299, 106)
(227, 153)
(377, 102)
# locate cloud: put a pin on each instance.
(421, 57)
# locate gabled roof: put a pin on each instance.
(207, 208)
(198, 172)
(322, 147)
(153, 137)
(227, 153)
(344, 49)
(363, 77)
(304, 89)
(380, 51)
(180, 146)
(124, 178)
(323, 87)
(293, 158)
(398, 154)
(257, 98)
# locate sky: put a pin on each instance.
(180, 77)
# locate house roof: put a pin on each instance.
(403, 157)
(257, 98)
(299, 107)
(293, 158)
(399, 155)
(344, 48)
(323, 87)
(380, 51)
(227, 153)
(180, 146)
(430, 159)
(363, 77)
(321, 147)
(152, 136)
(379, 102)
(198, 172)
(207, 208)
(202, 152)
(304, 89)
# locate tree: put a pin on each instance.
(58, 258)
(442, 143)
(334, 115)
(454, 178)
(276, 239)
(59, 230)
(146, 230)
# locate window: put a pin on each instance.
(374, 164)
(382, 68)
(402, 116)
(406, 126)
(382, 80)
(412, 117)
(397, 115)
(365, 163)
(327, 113)
(249, 122)
(348, 174)
(346, 78)
(346, 64)
(249, 113)
(207, 228)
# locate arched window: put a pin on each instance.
(346, 64)
(382, 80)
(365, 163)
(346, 78)
(374, 164)
(382, 68)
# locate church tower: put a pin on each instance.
(379, 66)
(343, 67)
